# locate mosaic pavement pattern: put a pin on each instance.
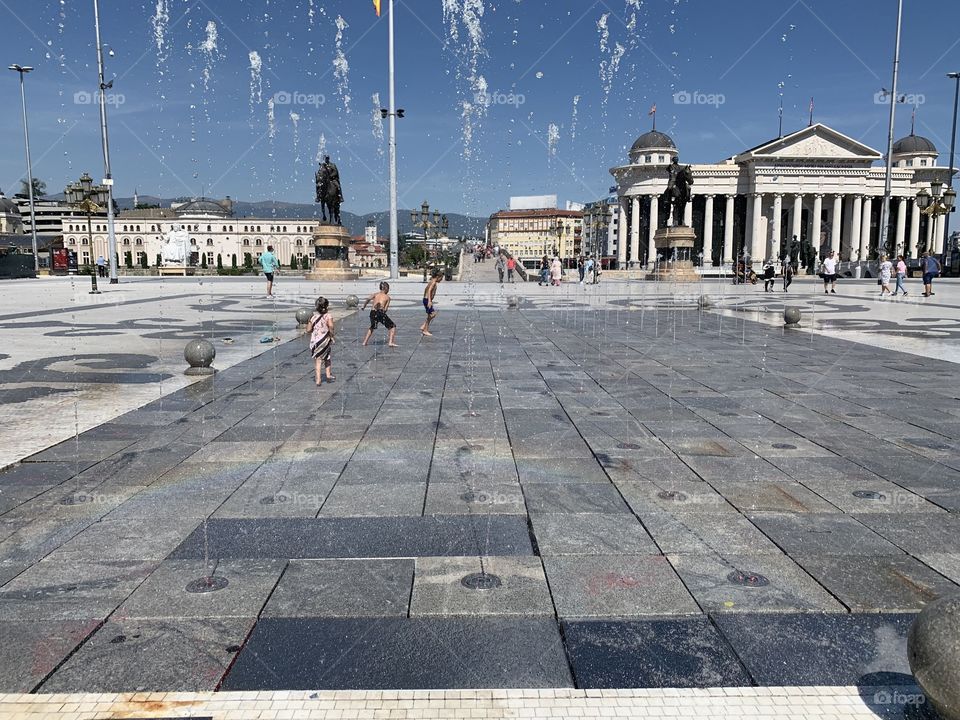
(575, 498)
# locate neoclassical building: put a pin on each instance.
(816, 184)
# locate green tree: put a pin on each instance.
(203, 260)
(293, 262)
(159, 259)
(128, 259)
(39, 188)
(247, 260)
(143, 261)
(219, 261)
(233, 261)
(304, 263)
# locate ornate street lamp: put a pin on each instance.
(431, 224)
(89, 198)
(936, 202)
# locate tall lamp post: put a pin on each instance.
(560, 230)
(437, 223)
(86, 196)
(936, 202)
(953, 146)
(23, 70)
(105, 141)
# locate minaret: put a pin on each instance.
(136, 199)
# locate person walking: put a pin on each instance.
(931, 268)
(769, 275)
(581, 268)
(886, 270)
(588, 267)
(787, 274)
(321, 332)
(500, 266)
(828, 271)
(428, 294)
(556, 271)
(268, 263)
(378, 316)
(101, 266)
(544, 271)
(511, 266)
(901, 276)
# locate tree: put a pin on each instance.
(304, 263)
(128, 259)
(159, 259)
(233, 261)
(39, 188)
(203, 260)
(247, 260)
(219, 261)
(143, 260)
(293, 262)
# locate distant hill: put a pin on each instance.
(459, 224)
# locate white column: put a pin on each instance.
(728, 231)
(901, 225)
(756, 235)
(708, 232)
(856, 217)
(865, 228)
(914, 231)
(816, 222)
(688, 213)
(776, 231)
(937, 246)
(930, 223)
(622, 231)
(654, 222)
(635, 230)
(836, 224)
(797, 217)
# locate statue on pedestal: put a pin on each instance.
(329, 192)
(677, 193)
(176, 247)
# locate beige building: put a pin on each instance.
(528, 235)
(816, 184)
(214, 231)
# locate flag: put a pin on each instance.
(653, 110)
(376, 6)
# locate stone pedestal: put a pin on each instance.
(181, 270)
(331, 261)
(675, 248)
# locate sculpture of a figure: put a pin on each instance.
(329, 192)
(677, 193)
(176, 247)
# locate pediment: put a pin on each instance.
(817, 142)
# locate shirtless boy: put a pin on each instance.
(428, 295)
(378, 316)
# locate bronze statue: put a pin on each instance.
(677, 194)
(329, 192)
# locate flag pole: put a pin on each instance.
(887, 181)
(394, 234)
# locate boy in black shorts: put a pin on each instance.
(378, 316)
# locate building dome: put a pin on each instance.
(913, 145)
(8, 206)
(651, 147)
(653, 140)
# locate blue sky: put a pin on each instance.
(189, 115)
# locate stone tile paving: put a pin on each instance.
(534, 498)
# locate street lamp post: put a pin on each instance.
(105, 141)
(437, 223)
(86, 196)
(23, 70)
(559, 245)
(936, 202)
(953, 146)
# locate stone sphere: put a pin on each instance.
(791, 315)
(352, 301)
(199, 354)
(513, 302)
(303, 315)
(933, 649)
(705, 302)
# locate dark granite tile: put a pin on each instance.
(573, 498)
(813, 649)
(400, 653)
(821, 534)
(30, 649)
(434, 535)
(663, 653)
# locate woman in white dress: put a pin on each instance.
(886, 272)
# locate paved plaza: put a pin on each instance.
(578, 490)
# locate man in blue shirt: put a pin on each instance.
(931, 268)
(268, 263)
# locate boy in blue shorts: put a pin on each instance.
(428, 295)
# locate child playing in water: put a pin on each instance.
(321, 332)
(378, 316)
(428, 295)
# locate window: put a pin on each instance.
(138, 228)
(138, 241)
(124, 228)
(258, 228)
(153, 228)
(86, 258)
(209, 228)
(649, 158)
(126, 241)
(85, 241)
(299, 242)
(661, 158)
(72, 241)
(923, 162)
(209, 242)
(246, 242)
(210, 259)
(259, 242)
